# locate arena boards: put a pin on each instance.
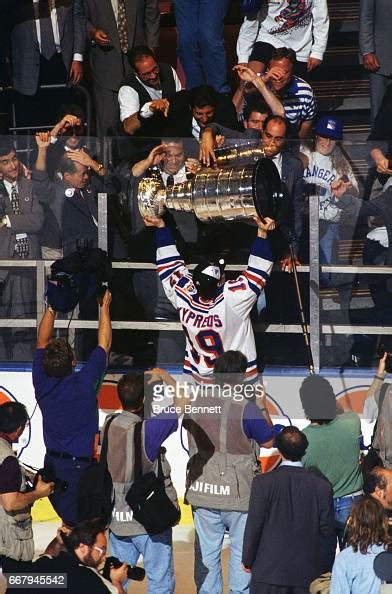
(281, 385)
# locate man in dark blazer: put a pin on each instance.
(108, 53)
(375, 44)
(21, 218)
(290, 512)
(191, 111)
(38, 47)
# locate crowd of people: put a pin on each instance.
(157, 121)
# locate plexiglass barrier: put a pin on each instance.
(63, 196)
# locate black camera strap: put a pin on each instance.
(138, 454)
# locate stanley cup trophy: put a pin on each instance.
(217, 194)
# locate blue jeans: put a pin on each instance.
(342, 507)
(210, 525)
(157, 553)
(201, 46)
(328, 238)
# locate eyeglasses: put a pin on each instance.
(101, 550)
(152, 74)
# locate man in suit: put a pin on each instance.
(21, 219)
(114, 28)
(70, 200)
(290, 512)
(171, 166)
(375, 44)
(48, 41)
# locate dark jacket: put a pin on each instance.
(80, 579)
(290, 509)
(179, 120)
(24, 42)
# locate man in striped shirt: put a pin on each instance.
(214, 314)
(286, 95)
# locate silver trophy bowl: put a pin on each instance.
(218, 194)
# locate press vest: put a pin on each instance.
(222, 460)
(121, 464)
(16, 533)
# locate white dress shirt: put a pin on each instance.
(179, 177)
(129, 99)
(56, 32)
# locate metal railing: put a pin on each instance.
(316, 328)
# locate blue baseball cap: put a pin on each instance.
(329, 127)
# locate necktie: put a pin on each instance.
(122, 26)
(22, 247)
(169, 181)
(48, 47)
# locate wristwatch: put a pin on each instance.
(100, 167)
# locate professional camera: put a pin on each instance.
(388, 360)
(48, 477)
(134, 573)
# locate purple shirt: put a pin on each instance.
(156, 430)
(69, 404)
(10, 476)
(254, 424)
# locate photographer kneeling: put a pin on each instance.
(83, 552)
(378, 405)
(16, 534)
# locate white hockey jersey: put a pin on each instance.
(222, 324)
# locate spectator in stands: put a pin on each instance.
(70, 200)
(285, 94)
(201, 46)
(378, 484)
(377, 251)
(353, 572)
(255, 113)
(191, 111)
(333, 449)
(47, 47)
(20, 223)
(290, 169)
(16, 500)
(302, 27)
(114, 30)
(128, 538)
(327, 169)
(68, 403)
(168, 161)
(290, 512)
(375, 44)
(380, 139)
(83, 552)
(145, 95)
(68, 136)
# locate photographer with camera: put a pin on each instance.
(82, 553)
(16, 534)
(134, 448)
(378, 405)
(68, 403)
